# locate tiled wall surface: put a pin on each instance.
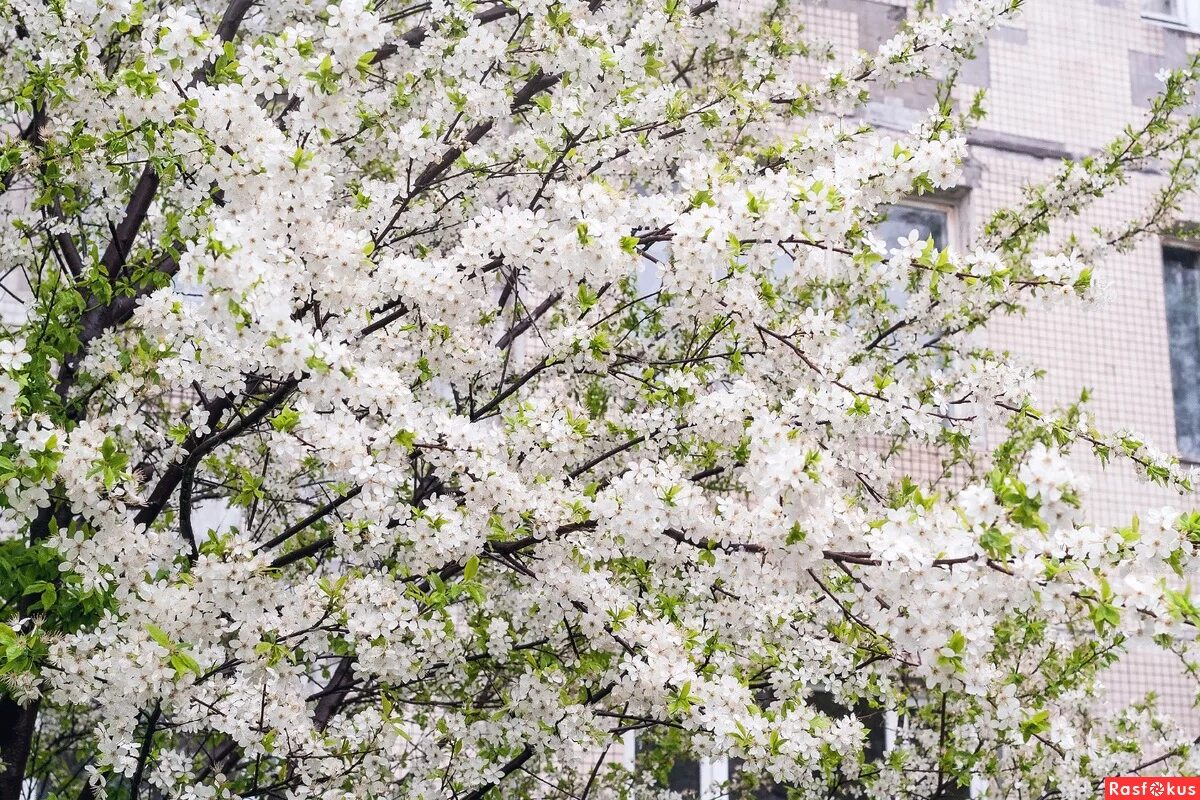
(1063, 78)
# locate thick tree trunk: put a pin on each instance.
(16, 735)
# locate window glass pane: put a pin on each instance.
(1181, 284)
(902, 220)
(872, 720)
(762, 788)
(683, 775)
(1161, 8)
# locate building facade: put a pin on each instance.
(1062, 79)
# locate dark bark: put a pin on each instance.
(335, 693)
(16, 734)
(505, 771)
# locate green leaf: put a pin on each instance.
(182, 663)
(286, 419)
(159, 635)
(471, 568)
(1037, 724)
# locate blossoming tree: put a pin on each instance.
(409, 400)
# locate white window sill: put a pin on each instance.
(1174, 23)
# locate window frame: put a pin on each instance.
(950, 206)
(1165, 244)
(953, 206)
(1187, 19)
(714, 773)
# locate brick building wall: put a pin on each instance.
(1063, 78)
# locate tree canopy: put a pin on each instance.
(408, 399)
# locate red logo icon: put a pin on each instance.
(1151, 787)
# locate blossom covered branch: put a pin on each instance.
(411, 400)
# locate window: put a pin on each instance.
(927, 220)
(1185, 13)
(876, 721)
(1161, 9)
(1181, 285)
(719, 779)
(659, 755)
(936, 220)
